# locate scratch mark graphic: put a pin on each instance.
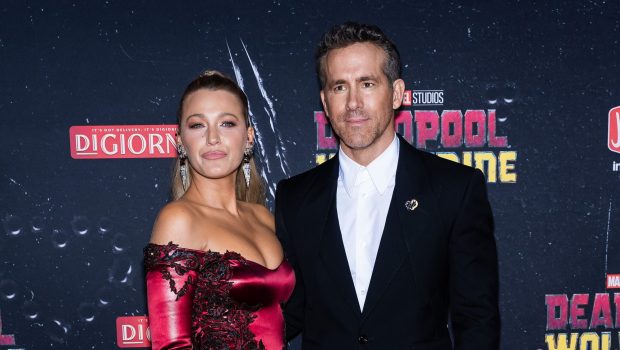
(273, 120)
(257, 129)
(607, 239)
(126, 53)
(265, 133)
(19, 185)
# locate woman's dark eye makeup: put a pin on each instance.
(195, 124)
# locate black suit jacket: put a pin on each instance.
(435, 263)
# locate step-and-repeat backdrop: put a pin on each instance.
(527, 92)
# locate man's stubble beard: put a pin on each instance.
(361, 137)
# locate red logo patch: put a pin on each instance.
(133, 332)
(123, 141)
(613, 140)
(6, 339)
(407, 98)
(613, 281)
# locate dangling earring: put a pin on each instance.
(183, 168)
(247, 154)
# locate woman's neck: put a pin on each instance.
(214, 193)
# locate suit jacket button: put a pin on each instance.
(362, 339)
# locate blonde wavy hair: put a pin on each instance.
(214, 80)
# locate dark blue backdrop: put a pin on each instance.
(73, 230)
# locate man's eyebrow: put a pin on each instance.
(366, 78)
(360, 79)
(337, 82)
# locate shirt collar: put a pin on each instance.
(382, 170)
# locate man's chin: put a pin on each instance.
(357, 144)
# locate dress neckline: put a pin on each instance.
(200, 251)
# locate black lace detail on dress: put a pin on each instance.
(218, 321)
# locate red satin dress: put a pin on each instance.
(209, 300)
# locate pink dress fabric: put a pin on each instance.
(210, 300)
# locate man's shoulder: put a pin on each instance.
(441, 169)
(443, 165)
(309, 177)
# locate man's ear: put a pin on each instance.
(324, 103)
(398, 89)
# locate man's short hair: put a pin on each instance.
(349, 33)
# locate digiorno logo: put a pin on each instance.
(471, 137)
(123, 141)
(133, 332)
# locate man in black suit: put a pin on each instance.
(389, 244)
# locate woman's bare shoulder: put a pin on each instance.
(175, 223)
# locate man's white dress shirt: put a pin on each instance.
(362, 200)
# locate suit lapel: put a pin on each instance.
(333, 258)
(390, 256)
(400, 235)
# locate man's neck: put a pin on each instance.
(365, 156)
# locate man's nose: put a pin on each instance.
(354, 100)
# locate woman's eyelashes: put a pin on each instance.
(229, 123)
(225, 123)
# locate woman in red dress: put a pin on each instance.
(216, 275)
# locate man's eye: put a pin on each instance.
(367, 84)
(339, 88)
